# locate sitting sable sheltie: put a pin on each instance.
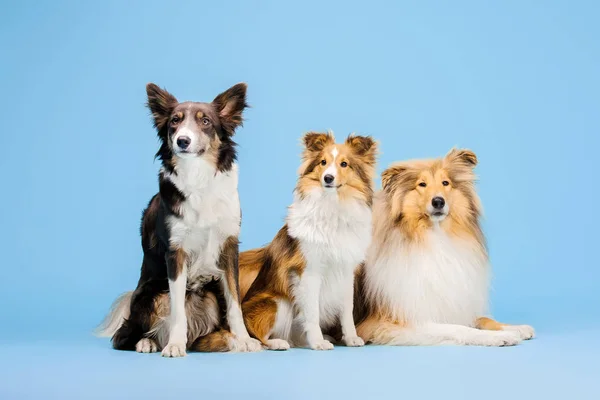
(189, 236)
(426, 277)
(303, 281)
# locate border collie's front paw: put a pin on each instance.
(353, 341)
(146, 345)
(526, 332)
(322, 345)
(174, 350)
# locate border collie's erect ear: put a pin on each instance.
(161, 103)
(316, 141)
(230, 105)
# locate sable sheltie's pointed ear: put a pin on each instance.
(161, 103)
(363, 146)
(317, 141)
(230, 105)
(462, 156)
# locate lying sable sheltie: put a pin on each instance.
(189, 236)
(303, 281)
(426, 278)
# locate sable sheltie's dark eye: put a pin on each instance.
(344, 164)
(422, 184)
(205, 121)
(323, 162)
(445, 183)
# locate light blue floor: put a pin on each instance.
(558, 364)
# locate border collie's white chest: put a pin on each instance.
(210, 214)
(444, 280)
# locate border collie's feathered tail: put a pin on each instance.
(119, 312)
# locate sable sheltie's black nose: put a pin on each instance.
(183, 142)
(438, 202)
(328, 179)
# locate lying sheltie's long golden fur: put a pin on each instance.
(426, 277)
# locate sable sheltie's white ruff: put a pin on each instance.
(333, 236)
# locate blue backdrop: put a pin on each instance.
(515, 81)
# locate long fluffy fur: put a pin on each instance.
(426, 277)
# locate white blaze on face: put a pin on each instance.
(332, 168)
(198, 141)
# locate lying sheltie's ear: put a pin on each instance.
(230, 105)
(161, 103)
(397, 181)
(394, 175)
(462, 156)
(461, 163)
(364, 147)
(316, 141)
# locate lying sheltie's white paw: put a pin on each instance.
(277, 344)
(526, 332)
(174, 350)
(498, 339)
(146, 345)
(353, 341)
(322, 345)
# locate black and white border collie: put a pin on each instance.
(189, 236)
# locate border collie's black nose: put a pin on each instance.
(183, 142)
(438, 202)
(328, 179)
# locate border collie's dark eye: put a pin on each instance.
(344, 164)
(205, 121)
(422, 184)
(445, 183)
(175, 120)
(323, 162)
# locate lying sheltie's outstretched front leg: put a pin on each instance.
(526, 332)
(432, 334)
(260, 315)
